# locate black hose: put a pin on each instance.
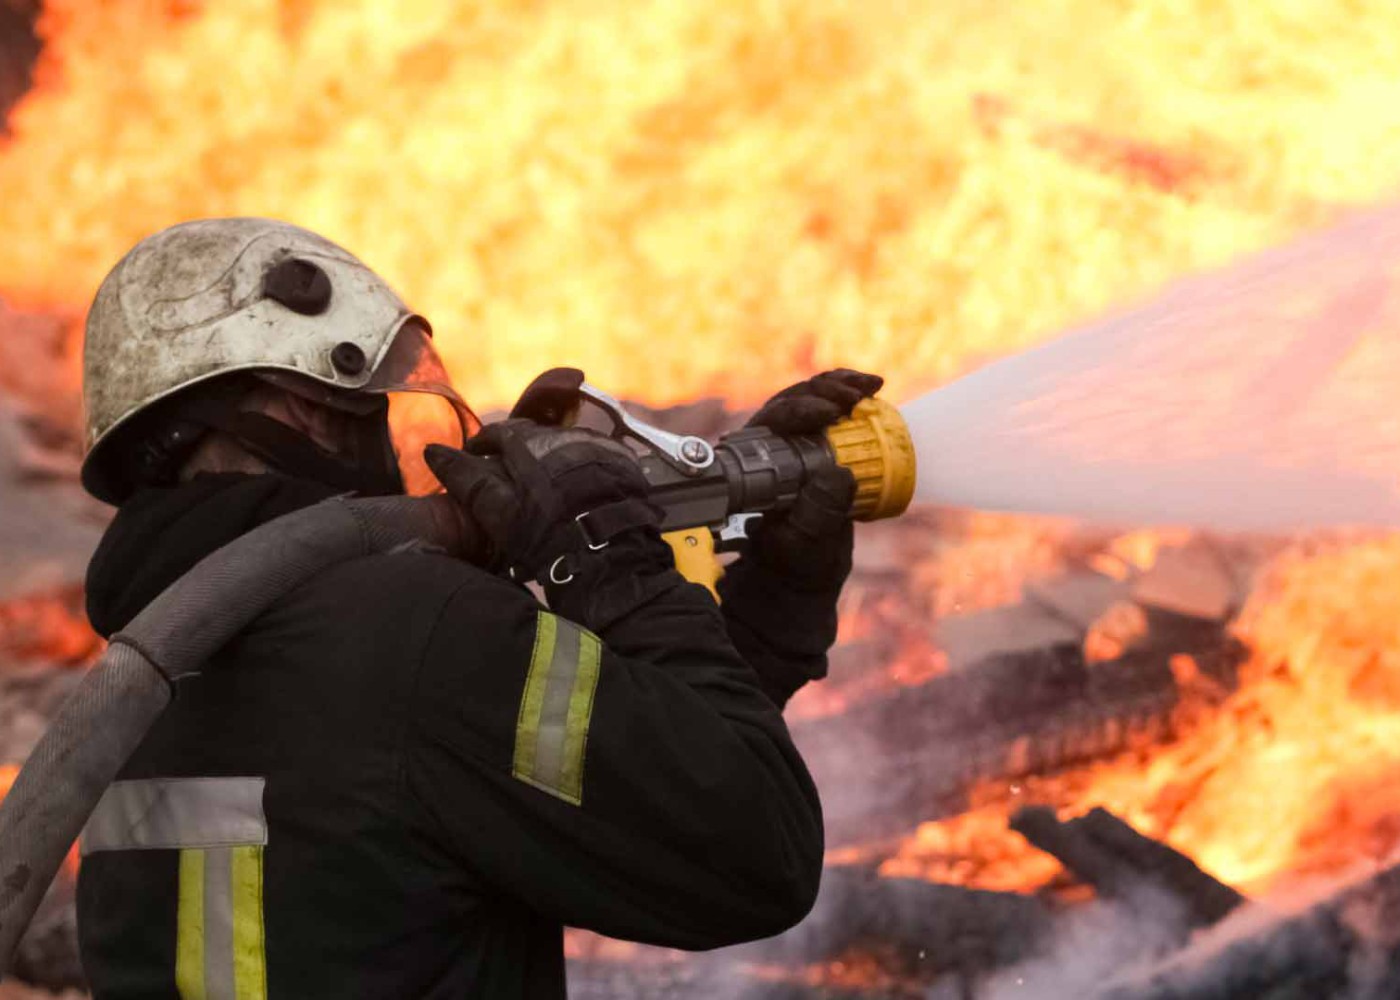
(106, 719)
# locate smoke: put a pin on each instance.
(1336, 941)
(1092, 945)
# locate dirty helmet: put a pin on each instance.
(219, 301)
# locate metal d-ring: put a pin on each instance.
(553, 570)
(584, 531)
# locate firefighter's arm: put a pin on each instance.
(636, 782)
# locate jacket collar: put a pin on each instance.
(160, 533)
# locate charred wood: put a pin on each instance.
(912, 755)
(1121, 863)
(1345, 946)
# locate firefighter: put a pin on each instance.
(405, 779)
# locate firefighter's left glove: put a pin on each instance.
(779, 599)
(543, 497)
(809, 545)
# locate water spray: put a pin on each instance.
(1257, 397)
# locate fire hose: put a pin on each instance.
(708, 492)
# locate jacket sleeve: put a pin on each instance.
(637, 782)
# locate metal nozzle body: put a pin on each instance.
(756, 470)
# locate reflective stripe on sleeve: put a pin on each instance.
(163, 813)
(551, 732)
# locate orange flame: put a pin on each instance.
(707, 199)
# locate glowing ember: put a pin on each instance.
(708, 199)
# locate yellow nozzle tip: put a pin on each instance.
(874, 443)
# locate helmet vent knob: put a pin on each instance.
(299, 285)
(348, 358)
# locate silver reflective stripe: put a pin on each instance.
(554, 713)
(177, 813)
(218, 925)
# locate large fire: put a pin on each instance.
(713, 199)
(692, 199)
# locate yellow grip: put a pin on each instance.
(695, 556)
(874, 443)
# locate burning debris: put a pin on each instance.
(1119, 863)
(999, 680)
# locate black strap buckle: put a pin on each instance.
(596, 530)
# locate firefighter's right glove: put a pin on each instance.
(547, 501)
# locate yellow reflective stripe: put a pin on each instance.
(249, 953)
(189, 927)
(220, 950)
(527, 723)
(551, 733)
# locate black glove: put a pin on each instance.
(809, 545)
(814, 405)
(779, 599)
(541, 496)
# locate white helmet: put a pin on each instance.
(205, 299)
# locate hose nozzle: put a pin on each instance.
(874, 443)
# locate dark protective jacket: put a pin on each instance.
(406, 778)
